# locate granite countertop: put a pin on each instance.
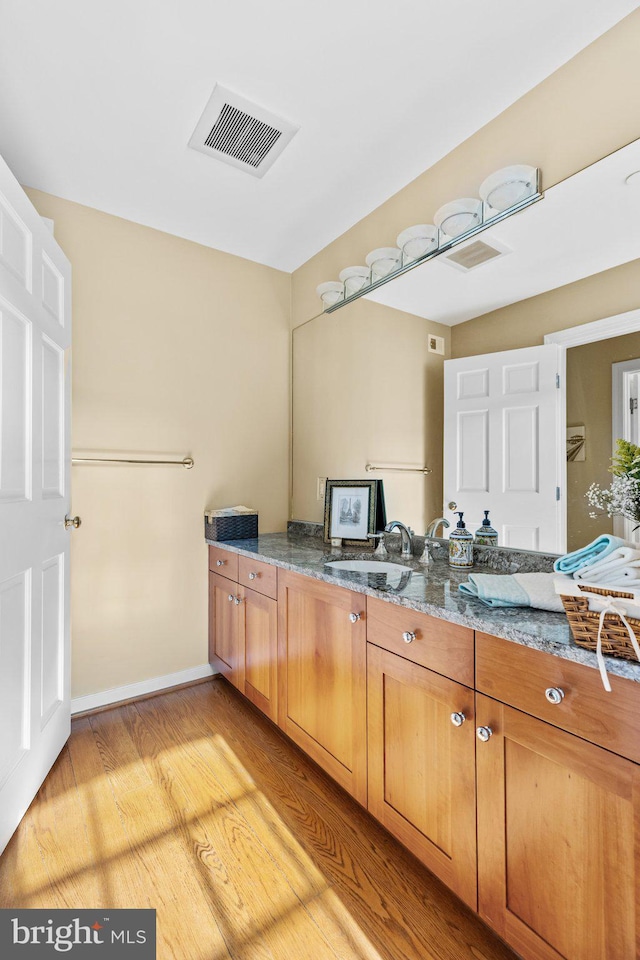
(429, 589)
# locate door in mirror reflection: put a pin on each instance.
(503, 442)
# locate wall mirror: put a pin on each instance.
(368, 378)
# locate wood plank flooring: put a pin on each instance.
(193, 803)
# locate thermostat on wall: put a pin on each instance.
(436, 344)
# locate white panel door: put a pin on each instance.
(35, 341)
(504, 442)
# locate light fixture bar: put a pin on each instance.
(453, 242)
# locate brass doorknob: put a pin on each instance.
(72, 522)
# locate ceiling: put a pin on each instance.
(98, 102)
(582, 226)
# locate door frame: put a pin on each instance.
(615, 326)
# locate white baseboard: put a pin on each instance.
(132, 690)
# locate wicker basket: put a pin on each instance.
(584, 623)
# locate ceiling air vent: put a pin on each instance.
(471, 255)
(236, 131)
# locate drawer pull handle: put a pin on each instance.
(554, 694)
(408, 636)
(230, 598)
(354, 617)
(220, 563)
(238, 600)
(457, 719)
(484, 733)
(253, 576)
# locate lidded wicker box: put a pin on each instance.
(231, 523)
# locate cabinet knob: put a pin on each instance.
(253, 576)
(220, 563)
(554, 694)
(354, 617)
(457, 719)
(484, 733)
(230, 598)
(408, 636)
(238, 600)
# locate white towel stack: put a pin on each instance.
(620, 568)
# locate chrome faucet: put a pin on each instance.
(404, 532)
(433, 526)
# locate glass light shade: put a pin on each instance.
(458, 216)
(354, 279)
(417, 241)
(508, 186)
(383, 261)
(330, 292)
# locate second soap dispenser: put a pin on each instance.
(485, 533)
(460, 545)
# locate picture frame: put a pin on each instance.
(353, 509)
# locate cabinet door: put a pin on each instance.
(322, 676)
(225, 654)
(422, 779)
(557, 822)
(258, 638)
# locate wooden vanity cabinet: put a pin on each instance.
(558, 816)
(243, 628)
(322, 676)
(422, 784)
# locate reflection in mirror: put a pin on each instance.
(591, 390)
(367, 389)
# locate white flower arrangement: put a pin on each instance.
(622, 498)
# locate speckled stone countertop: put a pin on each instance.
(430, 589)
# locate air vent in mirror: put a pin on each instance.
(473, 254)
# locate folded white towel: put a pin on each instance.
(621, 564)
(541, 590)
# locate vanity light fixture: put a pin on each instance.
(354, 279)
(383, 261)
(503, 193)
(459, 216)
(633, 180)
(331, 292)
(416, 241)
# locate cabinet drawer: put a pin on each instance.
(223, 562)
(439, 645)
(520, 677)
(259, 576)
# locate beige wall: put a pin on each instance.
(582, 112)
(525, 324)
(366, 389)
(589, 403)
(177, 349)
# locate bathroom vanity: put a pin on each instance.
(482, 739)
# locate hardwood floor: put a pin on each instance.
(191, 802)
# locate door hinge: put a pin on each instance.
(557, 381)
(633, 405)
(557, 493)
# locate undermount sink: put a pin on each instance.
(367, 566)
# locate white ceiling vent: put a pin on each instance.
(468, 256)
(236, 131)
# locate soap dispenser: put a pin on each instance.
(485, 533)
(460, 545)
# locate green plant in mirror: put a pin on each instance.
(626, 460)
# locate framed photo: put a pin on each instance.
(352, 510)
